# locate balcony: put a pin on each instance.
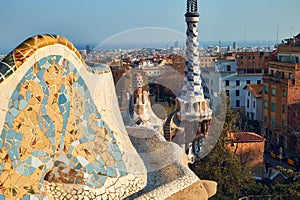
(279, 80)
(288, 49)
(277, 64)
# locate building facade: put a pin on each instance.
(253, 103)
(281, 98)
(224, 77)
(249, 147)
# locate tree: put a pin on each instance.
(222, 166)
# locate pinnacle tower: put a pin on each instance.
(193, 105)
(188, 124)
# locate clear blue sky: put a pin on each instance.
(92, 21)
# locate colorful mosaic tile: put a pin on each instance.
(53, 130)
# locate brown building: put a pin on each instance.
(207, 61)
(119, 71)
(178, 63)
(249, 147)
(251, 62)
(281, 98)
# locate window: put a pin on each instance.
(253, 104)
(237, 93)
(273, 121)
(273, 92)
(227, 93)
(266, 89)
(227, 83)
(283, 109)
(283, 124)
(273, 107)
(211, 82)
(265, 119)
(248, 103)
(237, 82)
(266, 105)
(290, 76)
(237, 103)
(258, 81)
(248, 81)
(249, 93)
(228, 67)
(242, 57)
(284, 92)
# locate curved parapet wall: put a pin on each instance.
(61, 131)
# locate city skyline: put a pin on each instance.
(95, 21)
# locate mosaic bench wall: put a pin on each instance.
(61, 132)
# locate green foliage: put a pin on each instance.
(287, 172)
(222, 166)
(291, 190)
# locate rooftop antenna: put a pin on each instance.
(277, 35)
(245, 31)
(292, 32)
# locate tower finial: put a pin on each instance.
(192, 6)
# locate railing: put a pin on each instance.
(278, 80)
(285, 64)
(288, 49)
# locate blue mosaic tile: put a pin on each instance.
(19, 136)
(13, 111)
(90, 168)
(31, 170)
(16, 104)
(11, 134)
(15, 95)
(78, 166)
(20, 169)
(80, 81)
(111, 172)
(62, 99)
(26, 197)
(46, 91)
(9, 118)
(49, 59)
(41, 74)
(28, 95)
(102, 180)
(23, 104)
(41, 62)
(10, 103)
(117, 156)
(28, 161)
(2, 197)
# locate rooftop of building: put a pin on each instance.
(245, 137)
(256, 89)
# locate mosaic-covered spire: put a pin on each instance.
(192, 88)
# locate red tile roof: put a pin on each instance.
(243, 137)
(256, 89)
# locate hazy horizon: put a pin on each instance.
(91, 21)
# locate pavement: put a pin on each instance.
(276, 162)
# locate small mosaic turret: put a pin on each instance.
(139, 110)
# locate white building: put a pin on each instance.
(224, 78)
(253, 102)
